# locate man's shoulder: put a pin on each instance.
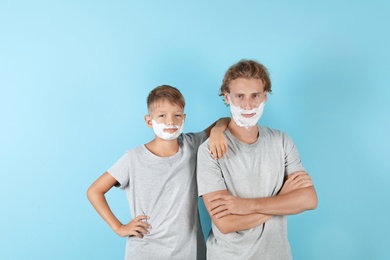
(271, 131)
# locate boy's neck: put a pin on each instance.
(245, 135)
(163, 148)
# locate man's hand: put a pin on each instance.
(223, 205)
(136, 227)
(297, 180)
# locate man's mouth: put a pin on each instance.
(248, 115)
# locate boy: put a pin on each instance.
(259, 181)
(160, 184)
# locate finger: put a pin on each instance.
(212, 150)
(142, 230)
(218, 155)
(222, 214)
(141, 217)
(215, 205)
(222, 151)
(306, 183)
(137, 234)
(215, 197)
(218, 210)
(296, 174)
(144, 225)
(302, 179)
(224, 148)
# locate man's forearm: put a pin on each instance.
(233, 223)
(290, 203)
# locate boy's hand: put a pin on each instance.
(217, 144)
(297, 180)
(136, 227)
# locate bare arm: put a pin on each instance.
(297, 195)
(232, 222)
(96, 193)
(218, 144)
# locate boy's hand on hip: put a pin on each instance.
(137, 227)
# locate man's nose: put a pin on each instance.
(246, 104)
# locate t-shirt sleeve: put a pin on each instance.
(209, 173)
(120, 171)
(196, 139)
(292, 160)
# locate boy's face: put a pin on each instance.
(164, 112)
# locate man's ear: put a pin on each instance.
(226, 98)
(148, 121)
(265, 97)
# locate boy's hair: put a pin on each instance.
(165, 92)
(246, 69)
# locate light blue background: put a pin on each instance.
(74, 76)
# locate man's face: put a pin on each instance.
(246, 99)
(246, 93)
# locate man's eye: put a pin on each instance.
(179, 115)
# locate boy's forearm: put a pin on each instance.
(221, 124)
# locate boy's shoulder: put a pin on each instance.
(194, 135)
(135, 151)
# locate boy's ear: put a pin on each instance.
(148, 121)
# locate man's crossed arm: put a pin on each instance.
(230, 213)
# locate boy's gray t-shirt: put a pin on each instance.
(250, 171)
(165, 189)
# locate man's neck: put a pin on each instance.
(245, 135)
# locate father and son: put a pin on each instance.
(249, 176)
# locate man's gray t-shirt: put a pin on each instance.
(165, 189)
(250, 171)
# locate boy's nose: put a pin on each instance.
(170, 120)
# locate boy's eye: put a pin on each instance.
(161, 115)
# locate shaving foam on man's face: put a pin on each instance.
(246, 118)
(167, 132)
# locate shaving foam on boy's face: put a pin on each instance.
(167, 132)
(244, 117)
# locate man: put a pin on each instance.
(259, 181)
